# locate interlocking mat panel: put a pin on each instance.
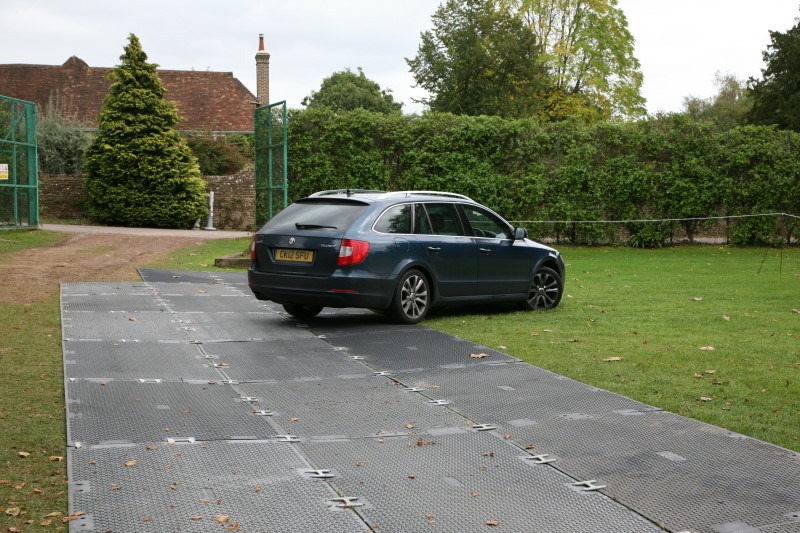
(193, 407)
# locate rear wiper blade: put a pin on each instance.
(313, 226)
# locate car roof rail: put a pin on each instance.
(348, 192)
(408, 194)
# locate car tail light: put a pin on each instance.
(352, 252)
(253, 249)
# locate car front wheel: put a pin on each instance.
(302, 311)
(545, 290)
(412, 298)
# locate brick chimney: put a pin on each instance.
(262, 73)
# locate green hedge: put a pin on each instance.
(662, 168)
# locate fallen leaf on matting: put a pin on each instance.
(478, 355)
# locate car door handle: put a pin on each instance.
(485, 250)
(434, 249)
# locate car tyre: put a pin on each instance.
(301, 310)
(412, 298)
(545, 290)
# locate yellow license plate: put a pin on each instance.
(295, 256)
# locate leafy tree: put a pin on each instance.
(727, 109)
(589, 52)
(61, 139)
(348, 90)
(776, 96)
(140, 171)
(220, 155)
(480, 59)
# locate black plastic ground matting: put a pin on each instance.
(465, 482)
(199, 487)
(225, 403)
(288, 358)
(350, 408)
(516, 393)
(132, 361)
(677, 471)
(189, 276)
(124, 326)
(123, 411)
(396, 348)
(247, 324)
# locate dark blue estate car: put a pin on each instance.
(399, 252)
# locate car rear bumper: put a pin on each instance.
(329, 291)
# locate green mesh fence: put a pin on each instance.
(271, 156)
(19, 178)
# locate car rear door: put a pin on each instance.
(451, 254)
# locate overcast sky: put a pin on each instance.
(681, 44)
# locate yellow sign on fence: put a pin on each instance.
(3, 171)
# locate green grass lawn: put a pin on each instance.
(655, 310)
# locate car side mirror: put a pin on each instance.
(520, 233)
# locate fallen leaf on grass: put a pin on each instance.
(698, 376)
(711, 371)
(706, 398)
(707, 348)
(726, 318)
(24, 455)
(55, 458)
(13, 511)
(45, 523)
(796, 311)
(611, 359)
(697, 299)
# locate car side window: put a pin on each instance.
(485, 224)
(396, 219)
(441, 219)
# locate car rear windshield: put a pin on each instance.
(317, 215)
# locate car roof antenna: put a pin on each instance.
(349, 194)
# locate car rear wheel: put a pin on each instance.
(412, 298)
(545, 290)
(302, 310)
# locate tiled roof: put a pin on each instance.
(213, 101)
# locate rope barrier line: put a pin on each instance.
(649, 220)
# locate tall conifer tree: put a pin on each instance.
(140, 171)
